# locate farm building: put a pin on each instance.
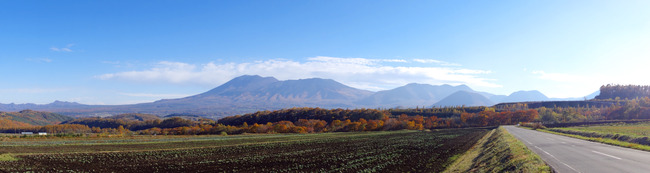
(26, 133)
(42, 133)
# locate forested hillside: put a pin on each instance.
(136, 122)
(29, 117)
(623, 91)
(294, 114)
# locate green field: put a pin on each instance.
(386, 151)
(632, 135)
(634, 129)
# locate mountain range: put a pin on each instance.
(250, 93)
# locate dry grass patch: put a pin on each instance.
(499, 151)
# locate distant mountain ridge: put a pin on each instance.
(523, 96)
(270, 89)
(250, 93)
(412, 95)
(464, 98)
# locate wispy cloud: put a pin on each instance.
(363, 73)
(62, 49)
(443, 63)
(40, 60)
(363, 61)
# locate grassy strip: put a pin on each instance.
(7, 157)
(602, 140)
(499, 151)
(464, 162)
(632, 130)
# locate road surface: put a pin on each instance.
(567, 155)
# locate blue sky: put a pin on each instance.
(119, 52)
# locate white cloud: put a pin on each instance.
(356, 72)
(428, 61)
(62, 49)
(393, 60)
(354, 60)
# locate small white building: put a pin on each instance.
(26, 133)
(42, 133)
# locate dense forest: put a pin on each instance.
(295, 120)
(440, 112)
(623, 91)
(294, 114)
(379, 122)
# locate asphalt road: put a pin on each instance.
(566, 155)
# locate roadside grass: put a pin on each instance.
(601, 140)
(629, 129)
(464, 162)
(630, 135)
(499, 151)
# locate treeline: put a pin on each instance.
(571, 114)
(295, 120)
(632, 109)
(623, 91)
(479, 119)
(440, 112)
(294, 114)
(135, 125)
(619, 110)
(59, 128)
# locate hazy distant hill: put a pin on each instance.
(248, 94)
(34, 117)
(135, 117)
(251, 93)
(523, 96)
(58, 106)
(270, 89)
(411, 95)
(465, 98)
(240, 85)
(592, 95)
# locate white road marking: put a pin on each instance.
(563, 142)
(606, 155)
(557, 159)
